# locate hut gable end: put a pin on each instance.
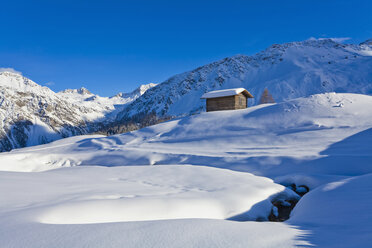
(240, 101)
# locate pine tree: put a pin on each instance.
(266, 97)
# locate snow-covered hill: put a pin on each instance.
(321, 142)
(31, 114)
(289, 71)
(289, 134)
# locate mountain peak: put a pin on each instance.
(288, 71)
(14, 80)
(137, 92)
(84, 91)
(81, 91)
(144, 87)
(10, 72)
(367, 42)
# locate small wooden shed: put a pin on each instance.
(228, 99)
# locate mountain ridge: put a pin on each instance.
(33, 114)
(317, 62)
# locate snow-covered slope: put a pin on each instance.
(31, 114)
(283, 137)
(289, 71)
(337, 214)
(322, 142)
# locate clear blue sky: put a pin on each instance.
(111, 46)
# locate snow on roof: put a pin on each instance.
(227, 92)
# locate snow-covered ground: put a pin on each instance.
(104, 207)
(273, 140)
(180, 200)
(337, 214)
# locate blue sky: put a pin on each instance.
(112, 46)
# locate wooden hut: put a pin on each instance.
(228, 99)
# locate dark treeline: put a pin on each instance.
(128, 124)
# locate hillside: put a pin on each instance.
(92, 186)
(290, 70)
(285, 137)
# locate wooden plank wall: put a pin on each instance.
(240, 101)
(227, 103)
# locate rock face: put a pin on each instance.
(288, 71)
(32, 114)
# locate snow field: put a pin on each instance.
(272, 140)
(322, 142)
(337, 214)
(100, 195)
(91, 206)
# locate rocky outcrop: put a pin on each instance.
(31, 114)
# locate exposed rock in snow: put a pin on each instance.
(367, 42)
(32, 114)
(81, 91)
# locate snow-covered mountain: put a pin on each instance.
(107, 106)
(32, 114)
(136, 93)
(289, 71)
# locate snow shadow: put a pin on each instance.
(337, 214)
(358, 144)
(351, 156)
(257, 212)
(344, 207)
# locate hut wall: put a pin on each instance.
(240, 101)
(227, 103)
(221, 103)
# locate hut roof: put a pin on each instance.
(227, 92)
